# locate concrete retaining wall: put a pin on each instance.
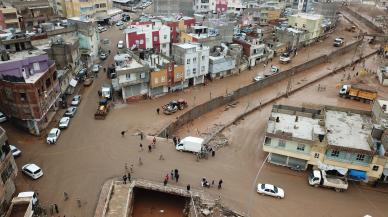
(214, 103)
(366, 21)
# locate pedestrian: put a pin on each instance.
(104, 69)
(56, 208)
(172, 174)
(123, 133)
(167, 136)
(161, 157)
(154, 140)
(213, 183)
(158, 110)
(166, 177)
(174, 140)
(140, 161)
(177, 177)
(220, 184)
(188, 187)
(179, 140)
(165, 182)
(125, 179)
(109, 52)
(131, 168)
(176, 172)
(129, 177)
(149, 148)
(65, 195)
(141, 136)
(141, 147)
(213, 153)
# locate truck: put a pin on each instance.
(102, 109)
(358, 92)
(321, 178)
(190, 144)
(338, 42)
(25, 204)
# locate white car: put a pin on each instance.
(101, 29)
(120, 44)
(32, 170)
(258, 78)
(64, 122)
(3, 118)
(119, 23)
(76, 100)
(70, 112)
(15, 151)
(95, 68)
(53, 135)
(271, 190)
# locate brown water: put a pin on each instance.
(155, 204)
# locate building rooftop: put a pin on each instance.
(187, 45)
(308, 16)
(125, 62)
(348, 130)
(25, 54)
(304, 128)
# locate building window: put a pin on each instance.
(267, 141)
(156, 80)
(156, 38)
(375, 168)
(36, 67)
(194, 70)
(194, 60)
(165, 36)
(300, 147)
(316, 155)
(360, 157)
(188, 71)
(142, 75)
(7, 173)
(142, 41)
(188, 61)
(203, 58)
(137, 42)
(334, 153)
(282, 143)
(128, 76)
(164, 45)
(202, 68)
(23, 97)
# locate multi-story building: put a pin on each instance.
(165, 76)
(328, 138)
(29, 89)
(34, 12)
(8, 171)
(268, 14)
(133, 76)
(8, 17)
(254, 50)
(309, 23)
(149, 35)
(178, 25)
(220, 63)
(204, 6)
(88, 8)
(195, 58)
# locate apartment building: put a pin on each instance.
(195, 58)
(177, 25)
(8, 171)
(29, 89)
(204, 6)
(8, 17)
(255, 51)
(88, 8)
(221, 64)
(133, 76)
(309, 23)
(330, 138)
(149, 35)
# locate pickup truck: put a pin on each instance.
(338, 42)
(320, 178)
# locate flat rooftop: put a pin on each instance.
(348, 130)
(25, 54)
(304, 128)
(187, 45)
(125, 62)
(308, 16)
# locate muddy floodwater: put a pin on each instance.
(155, 204)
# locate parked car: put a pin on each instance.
(120, 44)
(105, 41)
(64, 122)
(101, 29)
(119, 23)
(95, 68)
(122, 27)
(15, 151)
(3, 118)
(32, 170)
(53, 135)
(338, 42)
(76, 100)
(258, 78)
(70, 112)
(271, 190)
(103, 56)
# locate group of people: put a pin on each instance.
(176, 140)
(205, 183)
(173, 175)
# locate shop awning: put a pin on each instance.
(73, 82)
(327, 167)
(357, 174)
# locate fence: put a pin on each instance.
(205, 107)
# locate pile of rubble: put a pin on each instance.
(214, 209)
(218, 141)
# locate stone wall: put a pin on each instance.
(366, 21)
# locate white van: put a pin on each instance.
(28, 195)
(190, 144)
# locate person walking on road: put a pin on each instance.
(66, 195)
(158, 111)
(174, 140)
(123, 133)
(149, 148)
(177, 177)
(125, 179)
(129, 177)
(172, 174)
(220, 184)
(188, 187)
(141, 147)
(141, 136)
(154, 140)
(165, 182)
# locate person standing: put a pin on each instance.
(166, 178)
(125, 179)
(123, 133)
(129, 177)
(188, 187)
(172, 174)
(174, 140)
(177, 177)
(141, 147)
(165, 181)
(56, 208)
(220, 184)
(149, 148)
(154, 140)
(176, 172)
(158, 110)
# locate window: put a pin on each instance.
(142, 75)
(163, 79)
(128, 76)
(23, 96)
(194, 60)
(164, 45)
(300, 147)
(156, 80)
(194, 70)
(156, 38)
(7, 173)
(36, 66)
(202, 68)
(360, 157)
(267, 141)
(375, 168)
(142, 41)
(165, 36)
(316, 155)
(282, 143)
(188, 61)
(203, 58)
(188, 71)
(137, 42)
(334, 153)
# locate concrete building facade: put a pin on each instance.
(89, 8)
(8, 17)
